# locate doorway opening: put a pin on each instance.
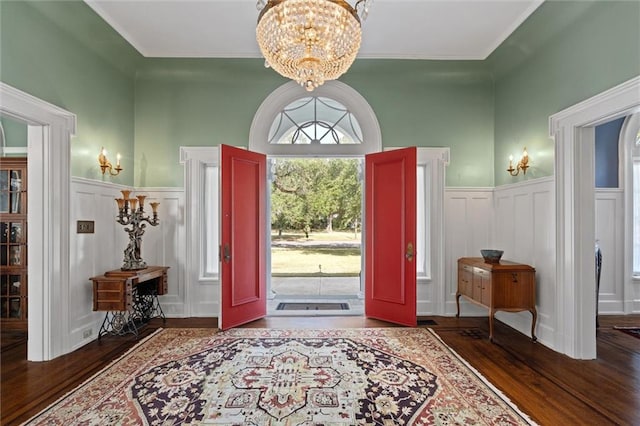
(336, 122)
(315, 251)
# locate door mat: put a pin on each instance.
(286, 306)
(427, 322)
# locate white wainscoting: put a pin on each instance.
(610, 236)
(94, 254)
(164, 245)
(517, 218)
(525, 229)
(91, 254)
(468, 229)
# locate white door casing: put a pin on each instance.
(49, 134)
(573, 131)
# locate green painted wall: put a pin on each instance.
(564, 53)
(15, 133)
(64, 53)
(199, 102)
(146, 108)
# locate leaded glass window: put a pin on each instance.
(315, 120)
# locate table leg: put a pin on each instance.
(534, 314)
(491, 315)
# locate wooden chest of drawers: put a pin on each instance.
(504, 286)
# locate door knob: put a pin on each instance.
(409, 254)
(226, 253)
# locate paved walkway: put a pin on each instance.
(315, 286)
(316, 290)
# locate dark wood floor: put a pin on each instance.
(551, 388)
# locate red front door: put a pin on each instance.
(390, 239)
(242, 236)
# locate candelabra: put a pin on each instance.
(131, 213)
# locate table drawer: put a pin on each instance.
(112, 295)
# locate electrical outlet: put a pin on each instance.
(85, 227)
(87, 333)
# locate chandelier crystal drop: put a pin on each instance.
(310, 41)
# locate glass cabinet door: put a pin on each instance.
(4, 191)
(11, 191)
(13, 242)
(12, 298)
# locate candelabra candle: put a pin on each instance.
(135, 222)
(120, 202)
(141, 201)
(154, 208)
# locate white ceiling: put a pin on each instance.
(398, 29)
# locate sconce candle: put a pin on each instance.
(523, 164)
(135, 219)
(106, 165)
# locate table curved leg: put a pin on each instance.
(534, 313)
(491, 315)
(458, 304)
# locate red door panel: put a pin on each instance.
(390, 209)
(242, 236)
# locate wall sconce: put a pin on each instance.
(523, 164)
(105, 164)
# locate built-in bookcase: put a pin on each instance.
(13, 243)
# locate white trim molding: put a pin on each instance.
(573, 131)
(434, 161)
(201, 220)
(49, 134)
(626, 148)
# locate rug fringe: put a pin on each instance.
(486, 381)
(93, 376)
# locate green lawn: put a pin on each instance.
(309, 261)
(297, 261)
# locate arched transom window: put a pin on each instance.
(315, 120)
(335, 121)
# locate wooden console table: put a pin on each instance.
(130, 298)
(504, 286)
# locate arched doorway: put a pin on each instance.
(334, 126)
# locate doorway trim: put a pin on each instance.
(573, 131)
(49, 139)
(626, 148)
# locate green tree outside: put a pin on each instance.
(317, 194)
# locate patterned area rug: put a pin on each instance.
(632, 331)
(381, 376)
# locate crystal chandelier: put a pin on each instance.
(310, 41)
